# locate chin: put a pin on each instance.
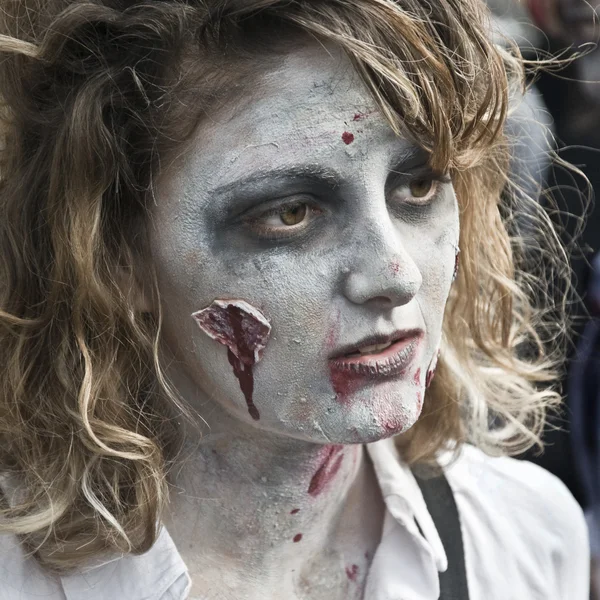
(359, 430)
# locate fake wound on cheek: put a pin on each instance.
(245, 331)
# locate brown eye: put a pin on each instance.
(288, 220)
(419, 188)
(293, 215)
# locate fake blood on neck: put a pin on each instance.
(331, 461)
(245, 331)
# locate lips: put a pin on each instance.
(378, 356)
(365, 344)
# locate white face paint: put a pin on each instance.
(365, 246)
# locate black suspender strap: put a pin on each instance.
(442, 508)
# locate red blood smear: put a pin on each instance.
(344, 384)
(417, 377)
(359, 116)
(332, 333)
(419, 401)
(242, 366)
(295, 511)
(430, 375)
(243, 334)
(330, 338)
(393, 425)
(395, 268)
(297, 537)
(327, 471)
(352, 572)
(244, 374)
(347, 137)
(456, 266)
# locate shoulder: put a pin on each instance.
(473, 465)
(21, 578)
(523, 485)
(507, 503)
(533, 496)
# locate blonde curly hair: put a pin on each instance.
(95, 96)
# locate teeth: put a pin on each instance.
(374, 348)
(370, 349)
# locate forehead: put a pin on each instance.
(312, 108)
(313, 87)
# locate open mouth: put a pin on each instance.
(370, 350)
(386, 359)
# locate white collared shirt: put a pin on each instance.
(525, 538)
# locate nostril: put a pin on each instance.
(382, 300)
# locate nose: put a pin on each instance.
(381, 272)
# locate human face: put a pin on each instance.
(301, 203)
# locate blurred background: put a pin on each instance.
(562, 112)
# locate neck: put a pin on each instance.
(250, 506)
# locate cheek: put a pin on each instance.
(295, 297)
(179, 256)
(437, 260)
(298, 296)
(437, 263)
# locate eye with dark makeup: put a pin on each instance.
(286, 220)
(420, 191)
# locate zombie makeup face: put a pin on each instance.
(305, 254)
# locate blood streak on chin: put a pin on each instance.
(343, 385)
(245, 331)
(330, 465)
(393, 426)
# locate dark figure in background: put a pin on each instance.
(584, 394)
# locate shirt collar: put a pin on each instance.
(403, 498)
(144, 577)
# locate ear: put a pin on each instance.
(138, 294)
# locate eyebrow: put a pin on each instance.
(407, 158)
(312, 173)
(411, 157)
